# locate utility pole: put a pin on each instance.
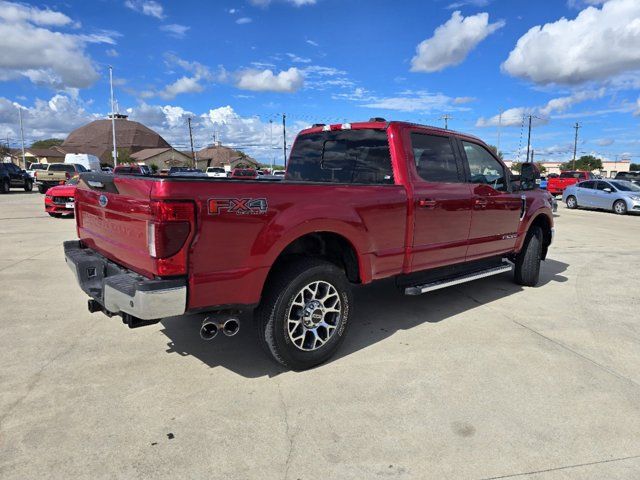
(532, 152)
(24, 160)
(529, 137)
(113, 118)
(446, 118)
(284, 138)
(575, 144)
(499, 129)
(273, 154)
(193, 154)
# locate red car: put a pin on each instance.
(60, 200)
(428, 207)
(556, 185)
(244, 173)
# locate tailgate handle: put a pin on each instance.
(95, 184)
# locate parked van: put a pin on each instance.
(88, 161)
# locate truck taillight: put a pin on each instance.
(167, 234)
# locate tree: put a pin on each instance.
(585, 162)
(497, 152)
(47, 143)
(634, 166)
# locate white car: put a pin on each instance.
(35, 167)
(278, 173)
(216, 172)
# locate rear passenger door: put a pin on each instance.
(496, 210)
(442, 202)
(586, 193)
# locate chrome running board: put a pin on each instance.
(467, 277)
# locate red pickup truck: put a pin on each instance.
(556, 185)
(360, 202)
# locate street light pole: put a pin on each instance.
(575, 144)
(113, 119)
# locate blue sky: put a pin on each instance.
(235, 65)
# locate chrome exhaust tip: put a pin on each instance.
(208, 330)
(231, 327)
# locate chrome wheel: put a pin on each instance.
(314, 316)
(571, 202)
(620, 207)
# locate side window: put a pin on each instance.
(81, 168)
(483, 167)
(434, 157)
(603, 185)
(589, 185)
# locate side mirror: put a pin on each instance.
(529, 176)
(607, 189)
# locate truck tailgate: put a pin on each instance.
(112, 216)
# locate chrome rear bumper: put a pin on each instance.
(121, 291)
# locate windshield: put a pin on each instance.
(73, 181)
(37, 166)
(625, 186)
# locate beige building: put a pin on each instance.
(220, 156)
(162, 158)
(43, 155)
(609, 168)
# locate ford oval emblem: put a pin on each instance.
(103, 200)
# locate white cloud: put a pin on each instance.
(452, 42)
(112, 52)
(605, 142)
(637, 112)
(513, 117)
(312, 43)
(175, 30)
(243, 20)
(250, 134)
(463, 100)
(297, 3)
(286, 81)
(598, 44)
(180, 86)
(45, 119)
(408, 101)
(584, 3)
(463, 3)
(296, 59)
(43, 55)
(12, 12)
(146, 7)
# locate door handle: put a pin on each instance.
(427, 203)
(480, 203)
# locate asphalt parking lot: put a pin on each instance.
(484, 380)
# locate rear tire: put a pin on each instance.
(572, 202)
(620, 207)
(55, 215)
(42, 189)
(300, 328)
(5, 186)
(527, 269)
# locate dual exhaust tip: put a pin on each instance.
(210, 328)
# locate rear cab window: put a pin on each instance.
(62, 167)
(342, 156)
(435, 159)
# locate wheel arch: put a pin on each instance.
(545, 223)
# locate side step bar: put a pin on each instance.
(467, 277)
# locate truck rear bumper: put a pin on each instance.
(121, 291)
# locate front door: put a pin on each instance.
(586, 193)
(496, 210)
(442, 202)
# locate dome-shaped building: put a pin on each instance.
(96, 138)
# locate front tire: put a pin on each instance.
(55, 215)
(5, 186)
(28, 185)
(620, 207)
(304, 313)
(527, 269)
(42, 189)
(572, 202)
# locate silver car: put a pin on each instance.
(619, 196)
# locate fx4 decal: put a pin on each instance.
(239, 206)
